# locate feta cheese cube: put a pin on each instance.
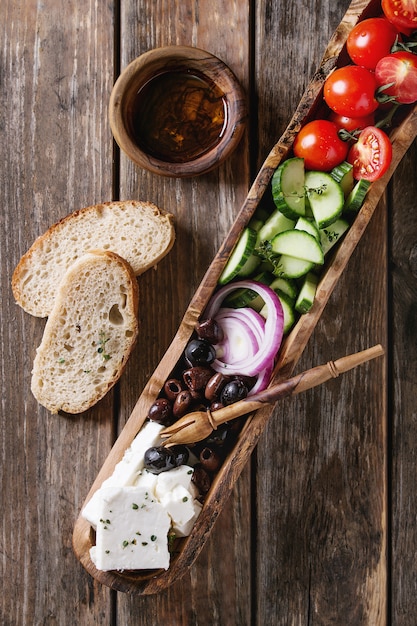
(167, 481)
(132, 532)
(179, 504)
(183, 530)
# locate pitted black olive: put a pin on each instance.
(199, 352)
(159, 459)
(233, 391)
(181, 454)
(214, 386)
(161, 411)
(172, 388)
(196, 378)
(201, 479)
(210, 459)
(182, 403)
(209, 330)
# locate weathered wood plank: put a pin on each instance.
(403, 329)
(320, 471)
(204, 208)
(56, 71)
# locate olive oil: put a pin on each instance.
(178, 116)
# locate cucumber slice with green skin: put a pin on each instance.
(304, 224)
(326, 197)
(290, 267)
(298, 244)
(330, 235)
(285, 285)
(288, 189)
(240, 254)
(276, 223)
(356, 197)
(248, 297)
(287, 309)
(307, 293)
(343, 174)
(250, 267)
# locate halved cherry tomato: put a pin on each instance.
(371, 155)
(370, 40)
(351, 123)
(400, 69)
(320, 146)
(401, 13)
(350, 91)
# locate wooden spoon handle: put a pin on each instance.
(306, 380)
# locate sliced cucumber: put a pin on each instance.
(330, 235)
(309, 226)
(287, 309)
(307, 293)
(288, 188)
(298, 244)
(276, 223)
(241, 253)
(356, 197)
(290, 267)
(285, 285)
(326, 197)
(251, 265)
(343, 174)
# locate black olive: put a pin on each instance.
(161, 411)
(181, 454)
(233, 391)
(159, 459)
(209, 330)
(199, 352)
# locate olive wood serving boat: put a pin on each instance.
(187, 550)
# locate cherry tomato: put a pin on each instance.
(320, 146)
(371, 155)
(401, 13)
(350, 91)
(351, 123)
(371, 40)
(399, 68)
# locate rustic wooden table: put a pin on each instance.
(321, 526)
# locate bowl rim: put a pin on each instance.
(152, 63)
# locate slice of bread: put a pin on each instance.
(89, 334)
(138, 231)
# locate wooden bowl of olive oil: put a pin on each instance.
(177, 111)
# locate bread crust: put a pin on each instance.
(89, 335)
(138, 231)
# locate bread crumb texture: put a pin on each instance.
(138, 231)
(89, 334)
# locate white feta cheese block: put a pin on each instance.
(148, 480)
(132, 532)
(179, 503)
(129, 468)
(167, 481)
(183, 530)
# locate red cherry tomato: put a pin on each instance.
(320, 146)
(350, 91)
(351, 123)
(370, 40)
(371, 155)
(401, 13)
(399, 68)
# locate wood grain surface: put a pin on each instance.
(320, 528)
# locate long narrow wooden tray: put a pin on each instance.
(290, 352)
